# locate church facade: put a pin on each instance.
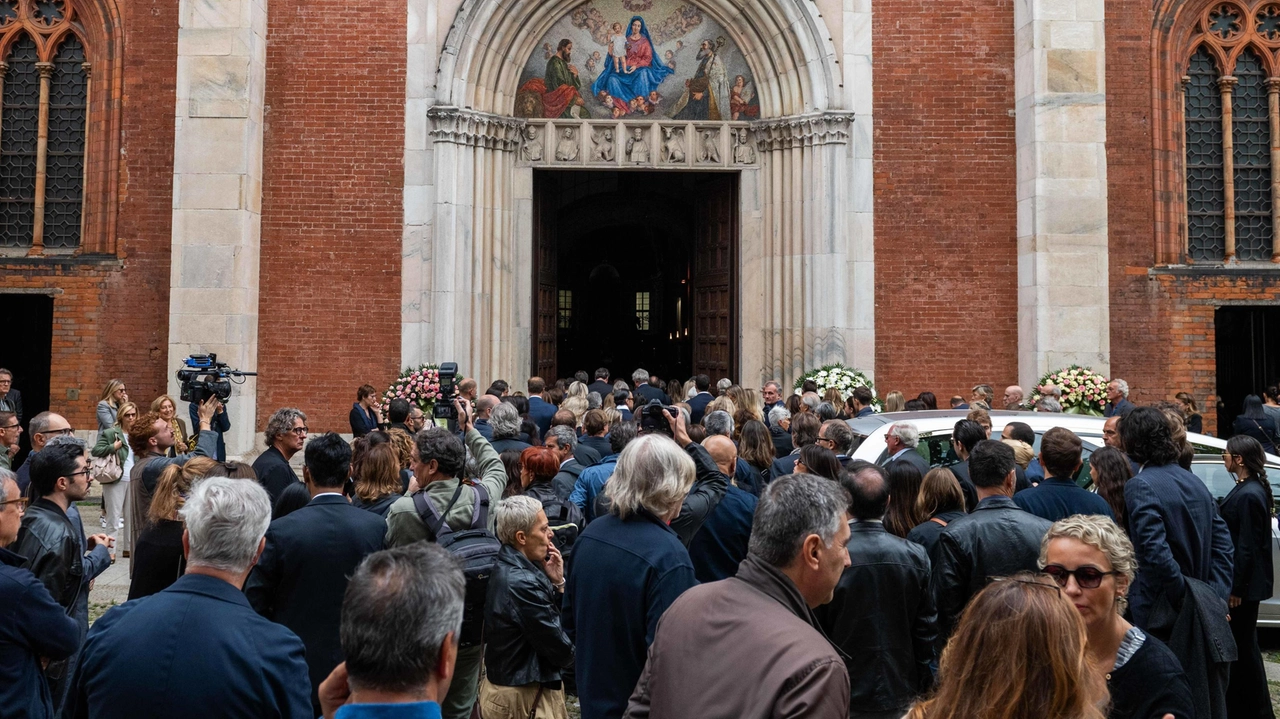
(327, 193)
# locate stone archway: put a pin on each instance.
(806, 246)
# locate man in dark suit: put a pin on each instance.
(398, 415)
(862, 399)
(1058, 496)
(721, 545)
(698, 403)
(584, 455)
(540, 410)
(771, 392)
(285, 434)
(836, 436)
(804, 432)
(596, 428)
(1174, 522)
(645, 392)
(484, 408)
(198, 647)
(900, 445)
(601, 383)
(964, 437)
(10, 398)
(1118, 404)
(300, 579)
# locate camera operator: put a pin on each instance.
(219, 425)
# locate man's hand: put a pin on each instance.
(334, 691)
(208, 408)
(554, 567)
(464, 414)
(573, 69)
(1233, 601)
(678, 430)
(103, 539)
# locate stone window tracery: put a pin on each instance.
(44, 107)
(1231, 132)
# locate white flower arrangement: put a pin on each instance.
(839, 377)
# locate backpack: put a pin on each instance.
(476, 549)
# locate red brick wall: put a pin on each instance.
(333, 178)
(945, 197)
(111, 318)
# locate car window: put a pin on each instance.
(1214, 474)
(936, 449)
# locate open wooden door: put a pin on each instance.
(715, 319)
(545, 307)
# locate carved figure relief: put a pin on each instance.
(567, 147)
(743, 152)
(710, 146)
(674, 150)
(637, 147)
(532, 149)
(603, 139)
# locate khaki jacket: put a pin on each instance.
(404, 526)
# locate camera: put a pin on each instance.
(653, 418)
(203, 376)
(444, 408)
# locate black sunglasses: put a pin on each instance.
(1086, 577)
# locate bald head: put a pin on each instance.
(723, 452)
(1012, 396)
(485, 405)
(564, 418)
(45, 426)
(1111, 432)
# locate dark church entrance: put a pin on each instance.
(1248, 354)
(635, 269)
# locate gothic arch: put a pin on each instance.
(785, 43)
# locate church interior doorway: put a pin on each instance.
(28, 355)
(1248, 357)
(635, 269)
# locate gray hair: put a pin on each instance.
(515, 514)
(565, 436)
(226, 520)
(594, 400)
(652, 473)
(985, 390)
(718, 422)
(688, 418)
(905, 431)
(621, 384)
(1048, 404)
(791, 508)
(40, 423)
(840, 434)
(640, 376)
(7, 476)
(725, 383)
(811, 400)
(70, 439)
(281, 422)
(505, 420)
(399, 609)
(1122, 386)
(779, 414)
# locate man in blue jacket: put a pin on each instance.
(592, 479)
(198, 647)
(540, 410)
(32, 625)
(1058, 496)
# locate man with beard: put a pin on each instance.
(561, 89)
(706, 93)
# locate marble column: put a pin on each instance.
(1059, 79)
(217, 195)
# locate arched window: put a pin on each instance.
(43, 121)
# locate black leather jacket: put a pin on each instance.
(883, 618)
(998, 540)
(50, 545)
(525, 642)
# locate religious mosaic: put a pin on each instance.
(632, 58)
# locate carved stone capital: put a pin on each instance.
(1273, 84)
(475, 129)
(1226, 83)
(45, 69)
(819, 128)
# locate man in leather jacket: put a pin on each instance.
(998, 540)
(55, 549)
(882, 616)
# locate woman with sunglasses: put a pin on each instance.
(1093, 562)
(1247, 511)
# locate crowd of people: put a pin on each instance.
(652, 549)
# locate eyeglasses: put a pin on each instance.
(20, 501)
(68, 430)
(1086, 577)
(824, 439)
(300, 431)
(15, 425)
(85, 472)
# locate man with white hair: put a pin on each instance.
(900, 446)
(763, 618)
(198, 644)
(1013, 397)
(1118, 404)
(645, 392)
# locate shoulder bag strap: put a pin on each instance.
(480, 512)
(939, 521)
(1271, 438)
(430, 517)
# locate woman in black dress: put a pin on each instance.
(1256, 423)
(1247, 510)
(942, 501)
(1110, 469)
(1092, 560)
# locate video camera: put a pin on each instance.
(653, 418)
(203, 376)
(444, 408)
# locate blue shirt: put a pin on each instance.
(721, 544)
(1060, 497)
(32, 625)
(590, 483)
(414, 710)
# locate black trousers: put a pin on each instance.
(1248, 696)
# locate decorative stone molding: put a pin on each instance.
(809, 130)
(476, 129)
(665, 144)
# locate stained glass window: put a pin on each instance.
(65, 163)
(19, 132)
(1251, 142)
(1205, 197)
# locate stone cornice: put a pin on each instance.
(819, 128)
(475, 129)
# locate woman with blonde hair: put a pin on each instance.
(753, 402)
(737, 394)
(895, 402)
(1092, 560)
(576, 405)
(577, 389)
(168, 411)
(113, 442)
(113, 396)
(1019, 652)
(721, 404)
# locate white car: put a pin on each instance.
(935, 428)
